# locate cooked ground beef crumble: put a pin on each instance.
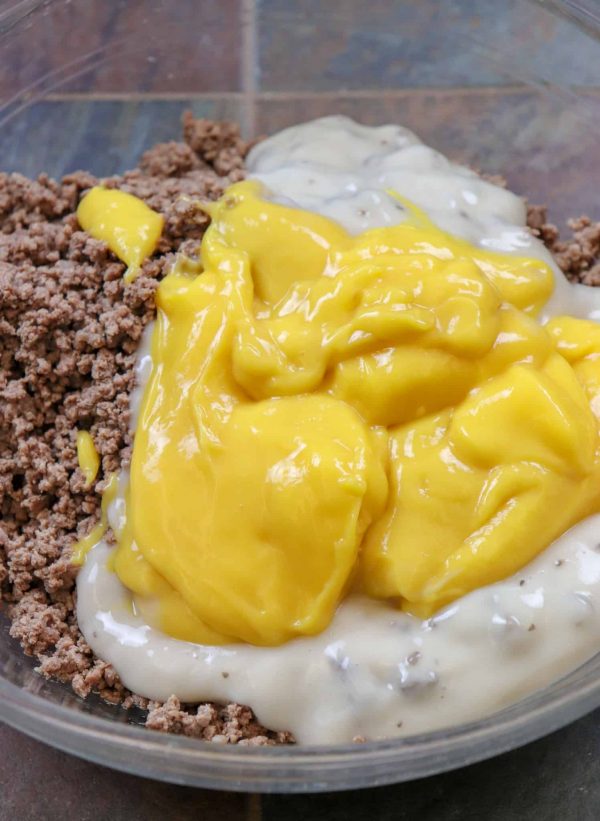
(70, 329)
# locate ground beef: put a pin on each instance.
(69, 332)
(232, 724)
(579, 254)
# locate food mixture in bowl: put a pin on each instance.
(346, 436)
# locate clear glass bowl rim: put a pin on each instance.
(287, 769)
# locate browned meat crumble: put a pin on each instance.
(579, 254)
(69, 331)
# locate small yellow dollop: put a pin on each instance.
(128, 226)
(87, 457)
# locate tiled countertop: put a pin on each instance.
(554, 779)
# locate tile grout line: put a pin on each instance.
(277, 96)
(254, 807)
(412, 91)
(140, 96)
(249, 66)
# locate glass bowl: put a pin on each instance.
(511, 88)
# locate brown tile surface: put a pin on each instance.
(312, 45)
(183, 46)
(197, 46)
(102, 136)
(547, 146)
(38, 783)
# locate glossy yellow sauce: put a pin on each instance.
(128, 226)
(87, 457)
(328, 412)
